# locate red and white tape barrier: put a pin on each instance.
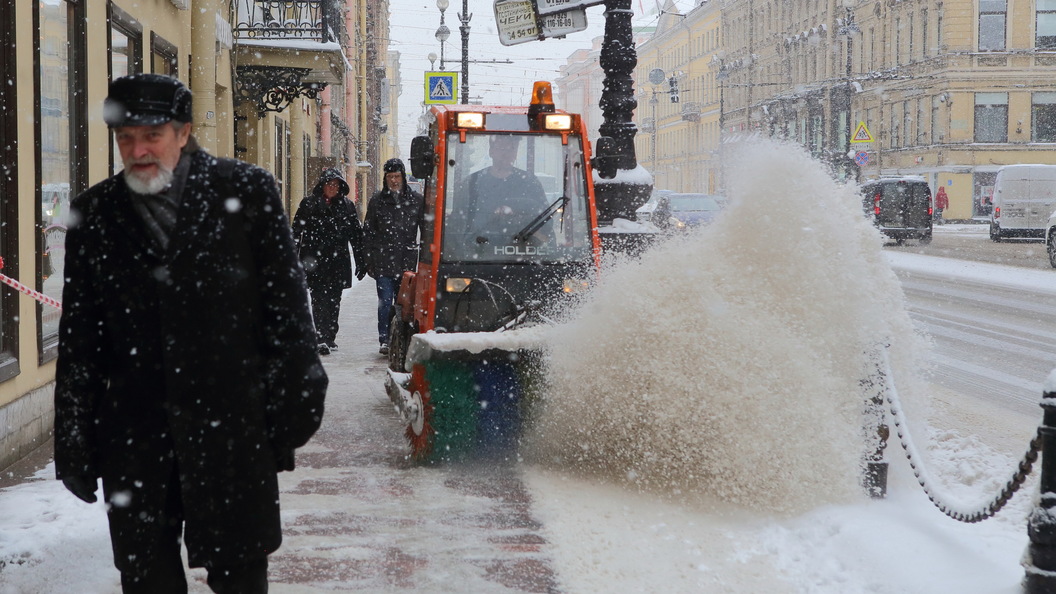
(41, 297)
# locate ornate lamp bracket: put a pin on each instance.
(274, 88)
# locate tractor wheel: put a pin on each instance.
(399, 340)
(447, 429)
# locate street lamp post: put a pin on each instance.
(464, 17)
(656, 77)
(432, 59)
(442, 32)
(848, 29)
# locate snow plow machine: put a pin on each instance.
(510, 231)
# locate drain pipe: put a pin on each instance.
(203, 72)
(1040, 559)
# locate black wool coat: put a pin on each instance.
(198, 361)
(323, 233)
(390, 231)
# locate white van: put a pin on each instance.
(1024, 197)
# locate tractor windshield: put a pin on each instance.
(515, 198)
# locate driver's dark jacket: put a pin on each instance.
(520, 191)
(390, 231)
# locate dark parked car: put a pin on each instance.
(901, 207)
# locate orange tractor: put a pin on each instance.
(510, 233)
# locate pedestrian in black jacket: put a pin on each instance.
(325, 225)
(390, 240)
(187, 369)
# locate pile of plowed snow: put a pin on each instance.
(726, 363)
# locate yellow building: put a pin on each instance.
(289, 85)
(946, 90)
(679, 100)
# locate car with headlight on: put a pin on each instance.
(685, 210)
(644, 213)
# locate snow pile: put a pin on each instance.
(709, 366)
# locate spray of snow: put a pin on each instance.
(708, 366)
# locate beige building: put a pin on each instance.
(291, 85)
(947, 90)
(679, 100)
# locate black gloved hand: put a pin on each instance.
(284, 459)
(81, 485)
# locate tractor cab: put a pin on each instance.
(510, 201)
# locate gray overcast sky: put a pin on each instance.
(412, 28)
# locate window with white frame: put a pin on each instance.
(991, 117)
(1043, 117)
(1045, 24)
(992, 16)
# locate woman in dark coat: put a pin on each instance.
(325, 225)
(186, 374)
(390, 239)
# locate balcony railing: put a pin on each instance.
(266, 20)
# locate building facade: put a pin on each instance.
(292, 86)
(679, 100)
(948, 90)
(945, 89)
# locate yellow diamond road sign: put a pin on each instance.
(861, 134)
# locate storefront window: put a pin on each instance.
(9, 365)
(55, 156)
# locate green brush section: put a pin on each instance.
(454, 400)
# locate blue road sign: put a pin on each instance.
(441, 87)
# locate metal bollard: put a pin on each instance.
(1040, 560)
(875, 431)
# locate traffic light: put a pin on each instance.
(673, 82)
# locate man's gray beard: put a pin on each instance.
(155, 185)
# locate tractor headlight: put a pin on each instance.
(456, 285)
(575, 285)
(470, 119)
(557, 121)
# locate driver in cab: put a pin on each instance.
(502, 198)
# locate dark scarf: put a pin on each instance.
(159, 211)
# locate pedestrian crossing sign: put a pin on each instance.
(861, 134)
(441, 87)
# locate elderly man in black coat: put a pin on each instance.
(187, 369)
(325, 225)
(390, 240)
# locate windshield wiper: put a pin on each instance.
(541, 219)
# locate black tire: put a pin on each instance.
(995, 233)
(925, 239)
(399, 339)
(1050, 246)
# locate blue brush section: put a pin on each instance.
(499, 417)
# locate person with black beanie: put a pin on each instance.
(390, 240)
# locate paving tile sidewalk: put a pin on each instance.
(359, 516)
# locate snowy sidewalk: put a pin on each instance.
(358, 516)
